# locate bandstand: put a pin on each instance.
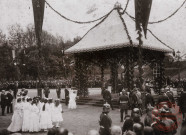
(112, 42)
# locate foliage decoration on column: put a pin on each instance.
(138, 6)
(77, 73)
(130, 69)
(81, 78)
(114, 73)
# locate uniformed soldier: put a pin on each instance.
(123, 104)
(105, 121)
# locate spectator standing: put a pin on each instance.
(15, 90)
(9, 101)
(3, 102)
(66, 96)
(149, 100)
(58, 91)
(182, 103)
(108, 98)
(46, 91)
(105, 121)
(123, 104)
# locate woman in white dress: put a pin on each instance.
(26, 114)
(17, 118)
(57, 113)
(72, 101)
(51, 104)
(34, 117)
(45, 117)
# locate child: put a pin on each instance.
(26, 114)
(34, 118)
(57, 115)
(45, 119)
(17, 119)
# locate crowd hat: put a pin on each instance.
(136, 110)
(106, 105)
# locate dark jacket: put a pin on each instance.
(66, 93)
(182, 102)
(3, 100)
(149, 100)
(9, 98)
(107, 95)
(105, 124)
(123, 101)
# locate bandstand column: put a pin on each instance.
(129, 69)
(81, 75)
(114, 74)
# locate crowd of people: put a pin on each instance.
(34, 115)
(160, 117)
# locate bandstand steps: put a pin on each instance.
(93, 102)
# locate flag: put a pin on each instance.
(38, 9)
(142, 13)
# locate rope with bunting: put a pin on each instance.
(160, 40)
(125, 7)
(79, 22)
(159, 21)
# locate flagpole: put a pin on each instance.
(38, 10)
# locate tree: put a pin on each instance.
(2, 38)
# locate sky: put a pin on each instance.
(172, 31)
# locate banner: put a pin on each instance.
(38, 9)
(142, 13)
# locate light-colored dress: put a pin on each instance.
(57, 115)
(51, 109)
(34, 119)
(72, 101)
(17, 118)
(26, 116)
(45, 118)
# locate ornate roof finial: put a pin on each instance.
(117, 5)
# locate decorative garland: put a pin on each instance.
(81, 75)
(79, 22)
(125, 7)
(160, 40)
(159, 21)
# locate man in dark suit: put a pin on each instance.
(58, 91)
(105, 121)
(3, 102)
(15, 89)
(149, 100)
(9, 101)
(182, 103)
(163, 99)
(108, 98)
(66, 96)
(46, 91)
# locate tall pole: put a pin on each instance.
(38, 10)
(139, 30)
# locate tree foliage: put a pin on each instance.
(54, 63)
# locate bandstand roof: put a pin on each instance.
(111, 33)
